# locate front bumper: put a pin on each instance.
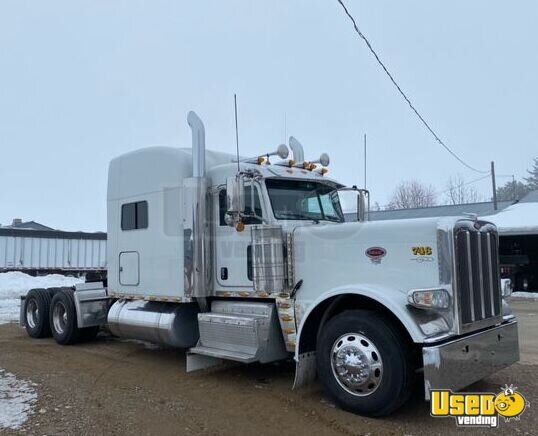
(459, 363)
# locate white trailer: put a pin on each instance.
(48, 251)
(251, 261)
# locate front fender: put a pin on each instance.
(392, 299)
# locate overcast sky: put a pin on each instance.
(84, 81)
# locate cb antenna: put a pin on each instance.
(236, 132)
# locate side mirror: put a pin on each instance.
(361, 206)
(235, 200)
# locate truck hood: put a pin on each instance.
(400, 254)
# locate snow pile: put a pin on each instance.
(14, 284)
(518, 219)
(17, 400)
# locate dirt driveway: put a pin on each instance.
(114, 387)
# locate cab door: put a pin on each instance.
(232, 248)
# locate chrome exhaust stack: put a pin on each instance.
(198, 144)
(196, 243)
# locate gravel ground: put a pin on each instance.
(117, 387)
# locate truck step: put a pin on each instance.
(240, 331)
(224, 354)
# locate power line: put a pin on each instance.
(463, 184)
(437, 138)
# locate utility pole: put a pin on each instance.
(365, 161)
(493, 185)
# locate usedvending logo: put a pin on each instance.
(478, 409)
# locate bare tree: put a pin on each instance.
(458, 192)
(411, 194)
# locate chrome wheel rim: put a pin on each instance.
(32, 313)
(59, 317)
(356, 364)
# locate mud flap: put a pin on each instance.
(305, 369)
(22, 323)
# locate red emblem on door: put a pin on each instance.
(376, 254)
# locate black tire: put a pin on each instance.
(63, 318)
(36, 313)
(385, 390)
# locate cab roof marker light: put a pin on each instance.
(321, 171)
(286, 163)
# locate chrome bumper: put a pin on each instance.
(457, 364)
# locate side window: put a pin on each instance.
(134, 215)
(248, 206)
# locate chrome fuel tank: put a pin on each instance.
(170, 324)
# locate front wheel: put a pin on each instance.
(364, 363)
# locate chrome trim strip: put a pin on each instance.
(492, 278)
(470, 272)
(480, 275)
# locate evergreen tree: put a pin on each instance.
(532, 180)
(512, 191)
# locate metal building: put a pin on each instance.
(37, 249)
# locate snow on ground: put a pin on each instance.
(14, 284)
(17, 400)
(529, 295)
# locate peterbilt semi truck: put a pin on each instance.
(251, 260)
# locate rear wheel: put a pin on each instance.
(36, 313)
(63, 318)
(365, 363)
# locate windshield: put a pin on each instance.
(304, 200)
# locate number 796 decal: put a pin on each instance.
(422, 250)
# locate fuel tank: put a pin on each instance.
(171, 324)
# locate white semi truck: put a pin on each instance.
(249, 260)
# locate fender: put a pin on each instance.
(392, 299)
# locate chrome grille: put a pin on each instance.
(478, 288)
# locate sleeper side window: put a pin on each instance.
(134, 215)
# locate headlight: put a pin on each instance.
(429, 299)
